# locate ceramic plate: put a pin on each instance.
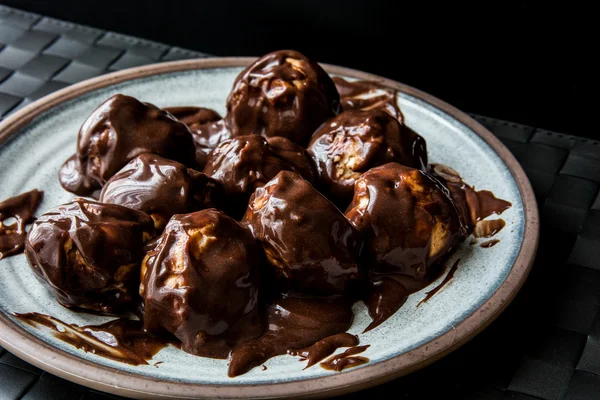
(35, 141)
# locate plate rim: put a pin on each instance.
(41, 354)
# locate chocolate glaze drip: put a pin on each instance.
(120, 340)
(294, 323)
(324, 348)
(473, 206)
(439, 287)
(347, 359)
(383, 298)
(281, 94)
(116, 132)
(355, 141)
(489, 243)
(367, 95)
(488, 228)
(21, 208)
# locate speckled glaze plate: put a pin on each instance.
(35, 141)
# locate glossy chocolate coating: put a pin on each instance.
(206, 138)
(407, 219)
(367, 95)
(193, 117)
(281, 94)
(21, 208)
(161, 188)
(116, 132)
(354, 142)
(473, 205)
(207, 127)
(88, 254)
(201, 283)
(245, 163)
(307, 240)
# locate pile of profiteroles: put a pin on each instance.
(251, 235)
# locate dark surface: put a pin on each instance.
(524, 61)
(546, 345)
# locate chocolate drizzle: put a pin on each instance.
(21, 208)
(346, 359)
(294, 323)
(473, 206)
(489, 243)
(488, 228)
(324, 348)
(120, 340)
(447, 279)
(383, 299)
(367, 95)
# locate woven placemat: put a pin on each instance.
(546, 345)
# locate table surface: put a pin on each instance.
(546, 345)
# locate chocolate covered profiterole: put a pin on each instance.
(245, 163)
(201, 282)
(88, 254)
(281, 94)
(308, 241)
(354, 142)
(409, 224)
(117, 131)
(407, 219)
(161, 188)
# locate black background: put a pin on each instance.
(520, 61)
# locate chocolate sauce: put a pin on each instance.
(324, 348)
(207, 128)
(293, 323)
(448, 278)
(488, 204)
(383, 298)
(193, 117)
(346, 359)
(21, 208)
(120, 340)
(473, 206)
(489, 243)
(488, 228)
(206, 138)
(367, 95)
